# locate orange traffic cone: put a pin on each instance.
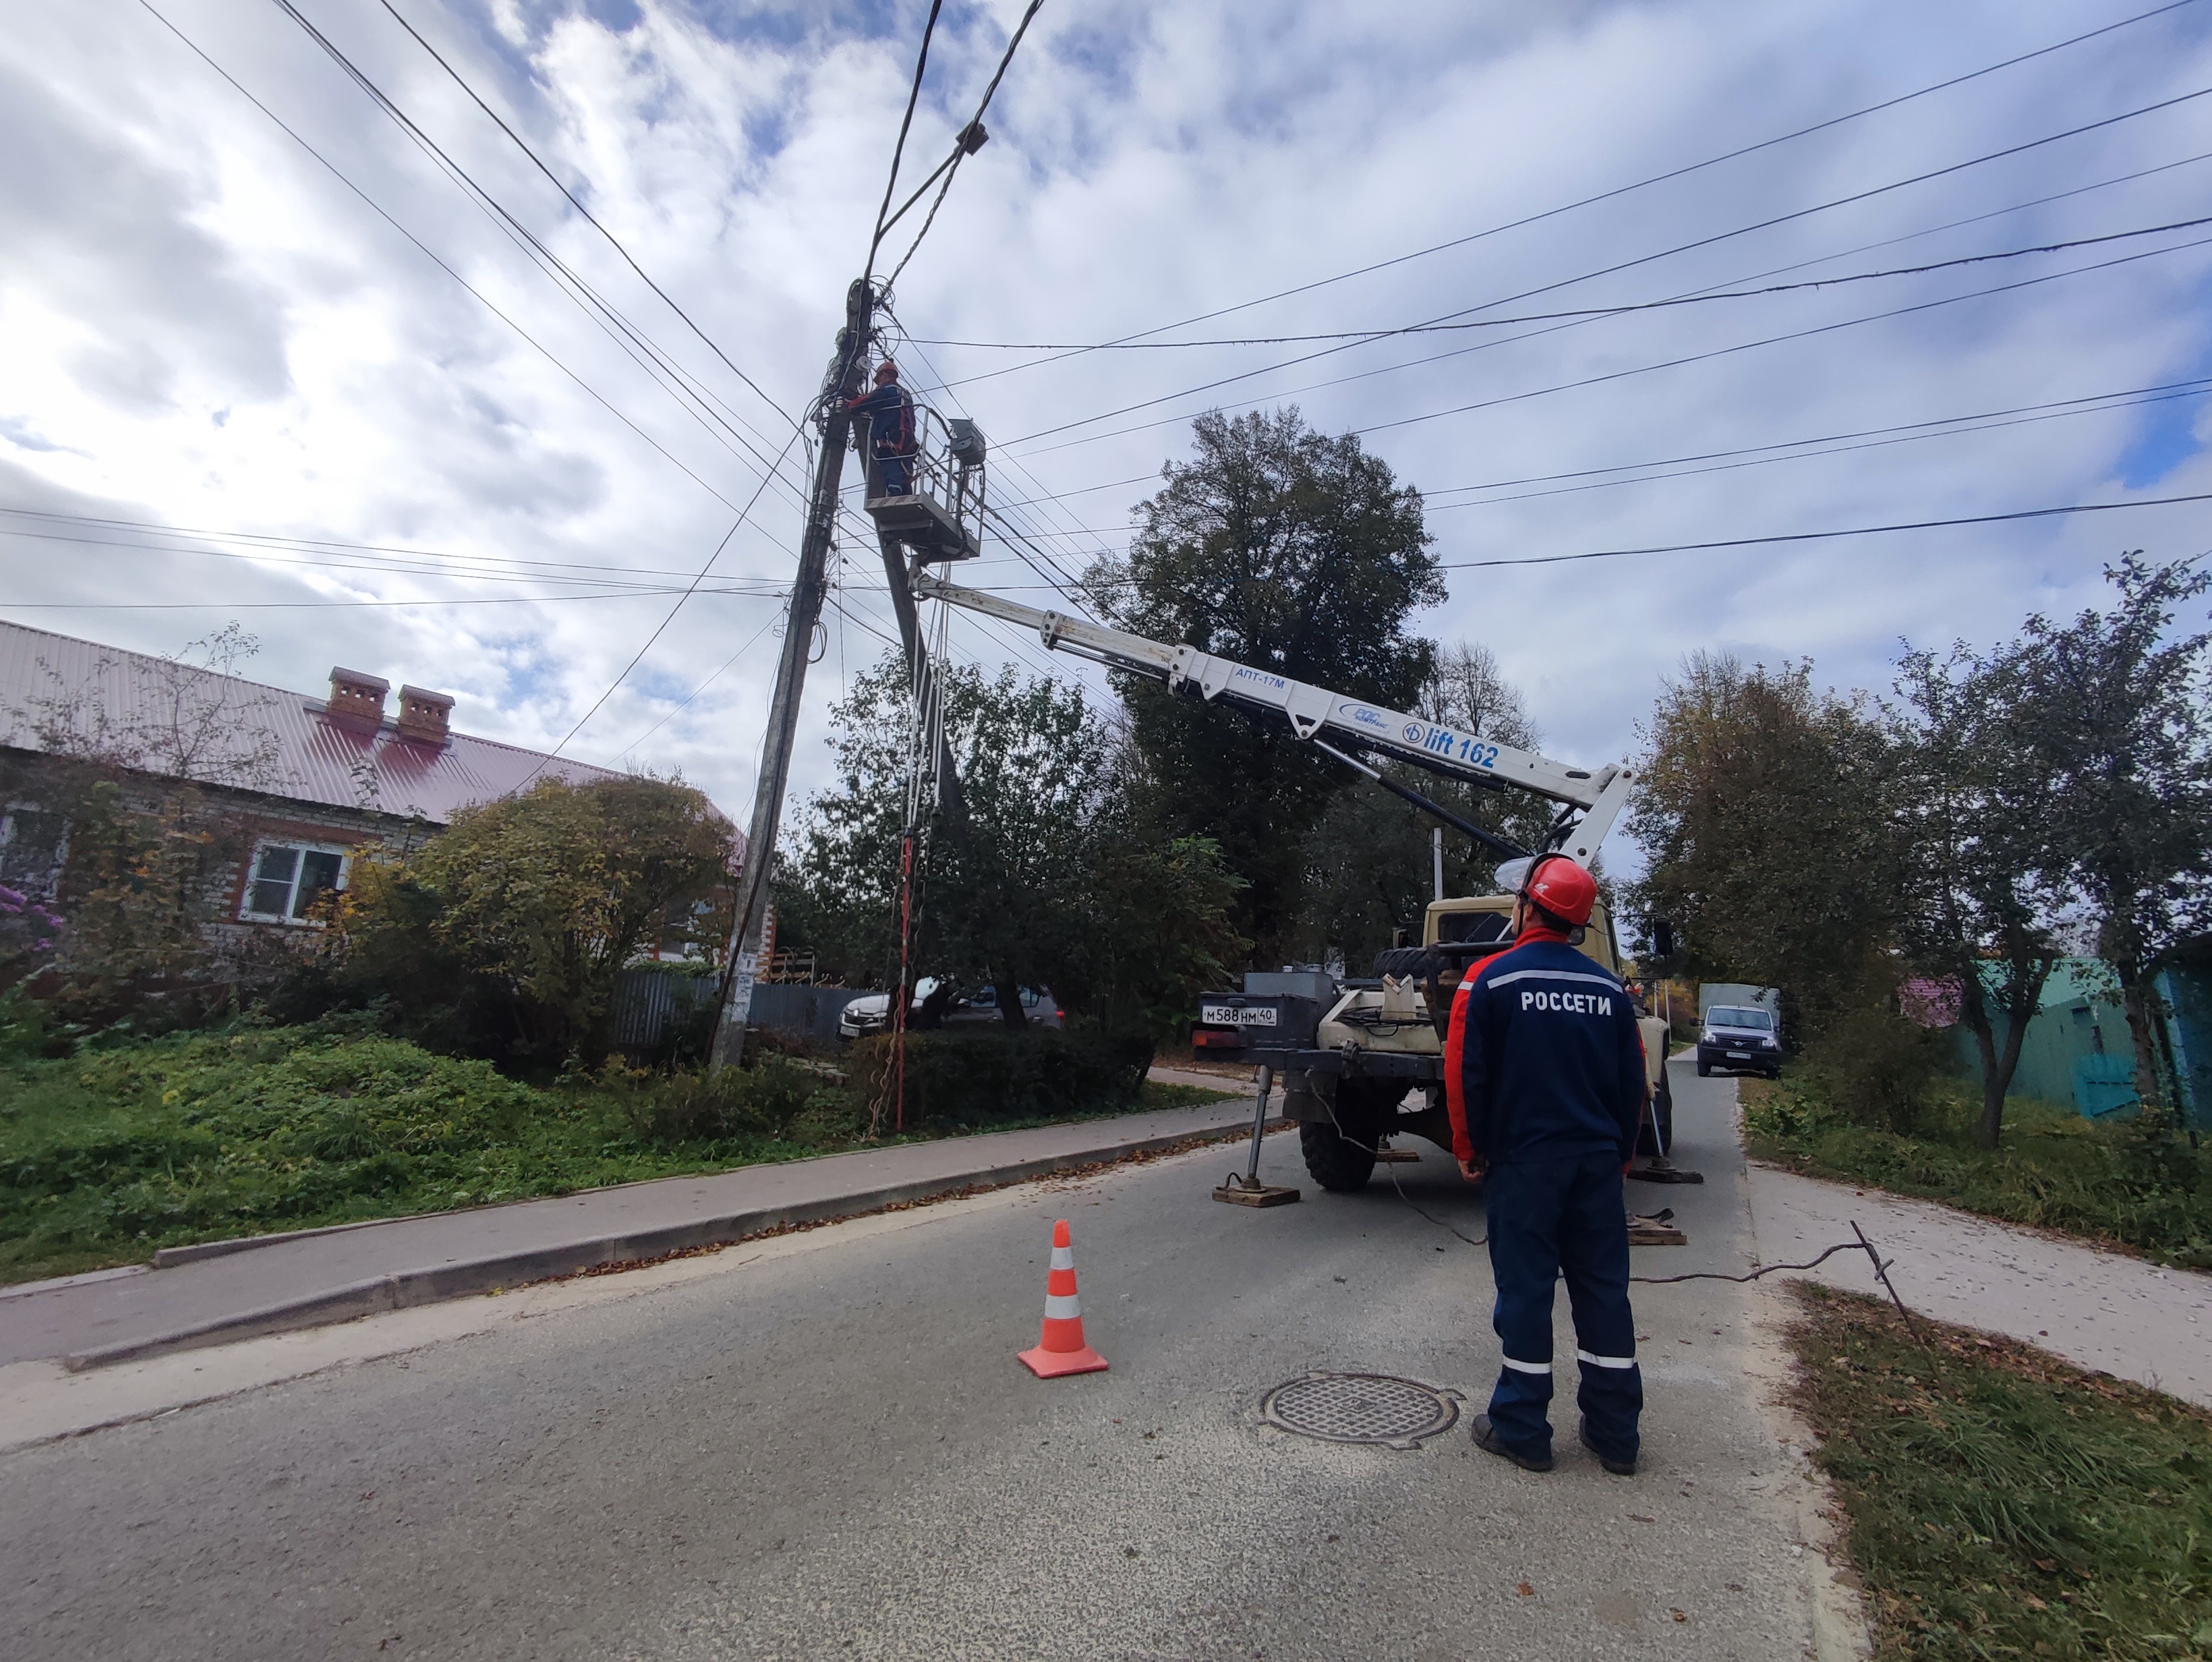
(1061, 1349)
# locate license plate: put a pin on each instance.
(1237, 1015)
(1738, 1056)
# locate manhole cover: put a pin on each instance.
(1361, 1407)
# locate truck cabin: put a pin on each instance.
(1480, 920)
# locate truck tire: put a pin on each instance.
(1663, 1109)
(1704, 1069)
(1340, 1154)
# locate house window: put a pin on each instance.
(31, 851)
(287, 880)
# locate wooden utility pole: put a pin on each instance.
(743, 967)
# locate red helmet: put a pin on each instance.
(1562, 888)
(887, 370)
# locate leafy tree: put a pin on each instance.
(1282, 548)
(1980, 878)
(2111, 709)
(1761, 807)
(506, 932)
(1061, 882)
(1370, 859)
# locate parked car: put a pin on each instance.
(1739, 1038)
(872, 1014)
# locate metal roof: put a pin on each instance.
(58, 693)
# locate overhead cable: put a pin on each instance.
(1363, 335)
(613, 241)
(1642, 259)
(898, 149)
(1656, 179)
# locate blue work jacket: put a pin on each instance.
(1543, 1060)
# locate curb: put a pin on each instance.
(408, 1288)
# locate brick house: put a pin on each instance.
(308, 780)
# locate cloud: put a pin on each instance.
(213, 330)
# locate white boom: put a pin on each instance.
(1601, 794)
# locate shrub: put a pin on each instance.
(764, 1101)
(1879, 1069)
(983, 1078)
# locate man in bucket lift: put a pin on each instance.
(1543, 1081)
(889, 410)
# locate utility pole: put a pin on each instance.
(743, 967)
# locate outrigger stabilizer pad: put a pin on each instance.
(1663, 1170)
(1659, 1229)
(1385, 1155)
(1241, 1190)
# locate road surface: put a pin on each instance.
(823, 1446)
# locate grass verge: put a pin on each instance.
(2000, 1503)
(107, 1156)
(2131, 1184)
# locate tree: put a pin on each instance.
(1980, 878)
(1761, 805)
(525, 910)
(1278, 547)
(2111, 711)
(1369, 859)
(1060, 883)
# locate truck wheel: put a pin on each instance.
(1340, 1155)
(1663, 1109)
(1704, 1069)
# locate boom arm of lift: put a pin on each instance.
(1316, 713)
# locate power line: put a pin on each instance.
(1697, 357)
(965, 144)
(1763, 454)
(686, 702)
(898, 150)
(1823, 536)
(312, 605)
(557, 184)
(1795, 265)
(1363, 335)
(429, 254)
(626, 334)
(1642, 259)
(1656, 179)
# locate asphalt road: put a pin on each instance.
(827, 1449)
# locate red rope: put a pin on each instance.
(899, 1009)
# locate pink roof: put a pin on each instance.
(78, 690)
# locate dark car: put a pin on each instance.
(1739, 1038)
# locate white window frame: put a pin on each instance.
(304, 846)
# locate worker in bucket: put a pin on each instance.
(889, 410)
(1543, 1081)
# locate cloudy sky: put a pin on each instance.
(236, 297)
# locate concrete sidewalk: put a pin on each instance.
(2099, 1309)
(324, 1276)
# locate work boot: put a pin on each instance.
(1487, 1438)
(1618, 1468)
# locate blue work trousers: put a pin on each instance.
(1549, 1218)
(895, 474)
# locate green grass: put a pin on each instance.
(1999, 1503)
(2135, 1185)
(109, 1155)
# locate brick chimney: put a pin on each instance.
(357, 699)
(425, 716)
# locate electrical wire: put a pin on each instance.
(435, 259)
(313, 606)
(614, 242)
(898, 150)
(1643, 259)
(1363, 336)
(657, 363)
(1656, 179)
(685, 703)
(1824, 536)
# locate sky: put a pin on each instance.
(238, 298)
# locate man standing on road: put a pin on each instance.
(889, 410)
(1545, 1084)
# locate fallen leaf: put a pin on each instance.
(2034, 1603)
(1526, 1590)
(1678, 1615)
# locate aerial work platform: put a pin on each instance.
(939, 513)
